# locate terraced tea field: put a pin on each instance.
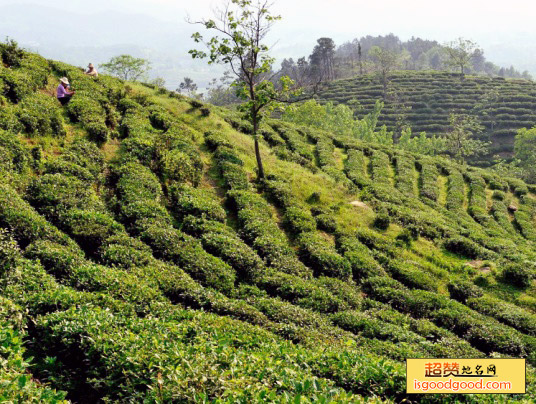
(509, 104)
(142, 260)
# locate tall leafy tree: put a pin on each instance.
(525, 152)
(126, 67)
(240, 30)
(486, 107)
(188, 87)
(360, 58)
(322, 59)
(386, 61)
(461, 137)
(461, 53)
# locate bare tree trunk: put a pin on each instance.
(257, 149)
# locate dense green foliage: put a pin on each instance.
(153, 265)
(424, 100)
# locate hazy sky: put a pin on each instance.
(483, 20)
(348, 16)
(505, 29)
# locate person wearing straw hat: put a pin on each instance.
(91, 71)
(63, 93)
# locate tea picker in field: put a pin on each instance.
(63, 93)
(91, 71)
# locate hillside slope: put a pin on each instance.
(142, 261)
(503, 105)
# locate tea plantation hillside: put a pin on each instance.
(503, 105)
(141, 260)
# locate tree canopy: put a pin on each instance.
(241, 27)
(127, 67)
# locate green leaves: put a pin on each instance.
(127, 67)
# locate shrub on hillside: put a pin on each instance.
(186, 200)
(88, 111)
(25, 224)
(520, 275)
(90, 229)
(319, 254)
(172, 245)
(14, 155)
(463, 246)
(221, 241)
(11, 54)
(178, 165)
(298, 220)
(463, 289)
(54, 194)
(40, 115)
(382, 221)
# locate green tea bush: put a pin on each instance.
(272, 137)
(14, 154)
(355, 168)
(283, 312)
(223, 242)
(18, 385)
(86, 155)
(506, 313)
(464, 247)
(91, 115)
(24, 223)
(17, 84)
(178, 166)
(411, 275)
(160, 118)
(502, 216)
(295, 141)
(405, 177)
(381, 171)
(215, 139)
(518, 187)
(301, 292)
(227, 154)
(60, 166)
(90, 229)
(477, 199)
(428, 180)
(360, 258)
(346, 291)
(9, 252)
(136, 182)
(97, 335)
(317, 253)
(326, 222)
(523, 220)
(498, 195)
(54, 194)
(40, 115)
(462, 290)
(455, 191)
(11, 54)
(281, 192)
(382, 221)
(234, 176)
(520, 275)
(124, 252)
(172, 245)
(186, 200)
(324, 152)
(298, 220)
(363, 325)
(262, 233)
